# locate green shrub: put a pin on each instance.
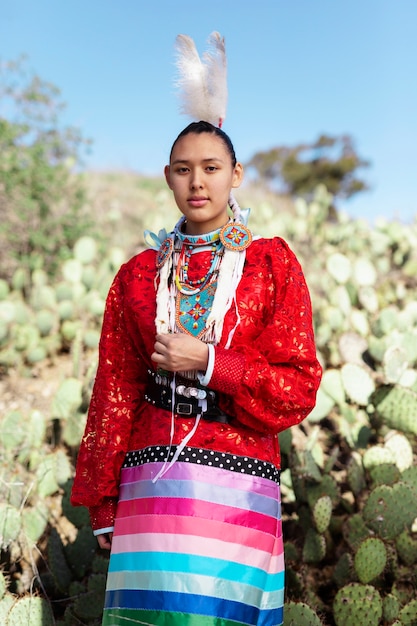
(41, 196)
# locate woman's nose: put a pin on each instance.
(196, 182)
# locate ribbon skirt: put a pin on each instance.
(200, 546)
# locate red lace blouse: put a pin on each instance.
(267, 380)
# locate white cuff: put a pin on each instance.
(205, 378)
(103, 531)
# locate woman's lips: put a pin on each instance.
(197, 202)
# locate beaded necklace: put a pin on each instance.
(189, 245)
(224, 275)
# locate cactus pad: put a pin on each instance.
(401, 450)
(300, 614)
(391, 608)
(383, 513)
(322, 512)
(397, 407)
(67, 399)
(30, 610)
(370, 559)
(407, 548)
(342, 573)
(384, 474)
(356, 475)
(358, 383)
(314, 549)
(408, 614)
(357, 604)
(10, 523)
(355, 530)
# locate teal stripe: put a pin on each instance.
(215, 587)
(206, 566)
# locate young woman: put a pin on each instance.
(207, 353)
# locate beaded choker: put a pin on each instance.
(190, 244)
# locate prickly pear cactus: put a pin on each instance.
(384, 474)
(96, 586)
(357, 604)
(383, 514)
(31, 610)
(397, 408)
(391, 608)
(370, 559)
(10, 523)
(67, 399)
(300, 614)
(322, 513)
(358, 383)
(6, 603)
(406, 546)
(408, 614)
(314, 549)
(401, 450)
(343, 570)
(356, 474)
(80, 553)
(59, 567)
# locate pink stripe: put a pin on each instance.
(186, 544)
(211, 529)
(193, 471)
(277, 563)
(197, 509)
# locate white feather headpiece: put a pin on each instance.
(202, 81)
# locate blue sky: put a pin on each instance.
(297, 68)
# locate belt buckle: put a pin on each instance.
(184, 408)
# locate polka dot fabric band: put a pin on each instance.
(201, 456)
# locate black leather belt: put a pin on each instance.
(190, 398)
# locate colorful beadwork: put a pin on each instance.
(192, 309)
(184, 284)
(164, 252)
(235, 236)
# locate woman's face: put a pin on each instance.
(201, 176)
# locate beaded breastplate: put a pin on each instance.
(196, 273)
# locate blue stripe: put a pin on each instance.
(216, 494)
(192, 604)
(214, 587)
(206, 566)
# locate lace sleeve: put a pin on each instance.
(117, 391)
(270, 382)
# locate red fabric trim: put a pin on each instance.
(228, 371)
(102, 516)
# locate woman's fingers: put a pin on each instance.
(104, 540)
(179, 352)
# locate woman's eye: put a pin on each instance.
(211, 168)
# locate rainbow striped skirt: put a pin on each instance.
(199, 546)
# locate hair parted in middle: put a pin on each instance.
(206, 127)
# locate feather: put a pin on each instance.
(202, 82)
(216, 72)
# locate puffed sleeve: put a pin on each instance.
(270, 383)
(117, 390)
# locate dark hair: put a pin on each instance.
(205, 127)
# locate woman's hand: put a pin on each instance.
(179, 352)
(104, 540)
